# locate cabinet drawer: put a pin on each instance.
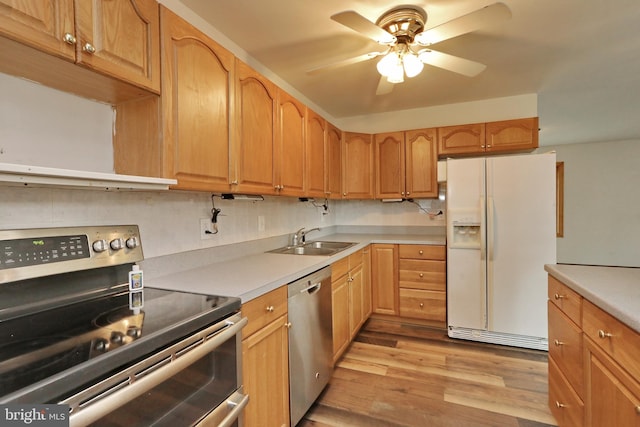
(615, 338)
(263, 310)
(339, 268)
(565, 347)
(423, 274)
(355, 259)
(566, 406)
(436, 252)
(566, 300)
(427, 305)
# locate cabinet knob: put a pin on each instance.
(421, 252)
(234, 182)
(637, 410)
(344, 194)
(602, 334)
(558, 343)
(421, 275)
(288, 325)
(408, 193)
(270, 308)
(69, 38)
(559, 405)
(421, 305)
(558, 296)
(89, 48)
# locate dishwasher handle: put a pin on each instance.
(312, 288)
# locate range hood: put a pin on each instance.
(38, 176)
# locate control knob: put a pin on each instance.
(100, 245)
(116, 244)
(117, 337)
(134, 332)
(132, 242)
(101, 345)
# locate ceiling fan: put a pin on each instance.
(402, 30)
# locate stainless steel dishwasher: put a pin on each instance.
(310, 340)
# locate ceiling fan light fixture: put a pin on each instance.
(387, 64)
(397, 73)
(412, 65)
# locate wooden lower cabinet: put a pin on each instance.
(265, 360)
(594, 370)
(384, 278)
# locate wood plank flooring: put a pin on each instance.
(396, 374)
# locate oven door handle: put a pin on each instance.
(113, 401)
(225, 415)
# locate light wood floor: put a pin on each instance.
(405, 375)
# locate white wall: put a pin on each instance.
(602, 203)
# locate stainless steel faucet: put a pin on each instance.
(298, 237)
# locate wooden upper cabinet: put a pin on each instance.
(357, 166)
(119, 38)
(42, 24)
(333, 163)
(512, 135)
(462, 139)
(253, 162)
(290, 148)
(197, 90)
(315, 155)
(421, 163)
(390, 165)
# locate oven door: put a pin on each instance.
(193, 382)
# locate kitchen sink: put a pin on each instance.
(317, 248)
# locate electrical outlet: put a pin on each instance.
(206, 229)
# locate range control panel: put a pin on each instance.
(29, 253)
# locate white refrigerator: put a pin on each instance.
(501, 230)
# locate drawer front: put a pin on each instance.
(422, 252)
(566, 300)
(263, 310)
(565, 347)
(339, 268)
(355, 259)
(423, 274)
(566, 406)
(427, 305)
(615, 338)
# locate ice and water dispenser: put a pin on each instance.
(465, 231)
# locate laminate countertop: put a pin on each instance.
(615, 290)
(253, 275)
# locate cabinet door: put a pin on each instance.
(384, 278)
(390, 165)
(356, 295)
(314, 154)
(41, 24)
(421, 163)
(512, 135)
(254, 140)
(290, 156)
(120, 38)
(198, 76)
(463, 139)
(265, 361)
(358, 166)
(340, 315)
(333, 163)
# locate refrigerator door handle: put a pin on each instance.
(490, 223)
(483, 234)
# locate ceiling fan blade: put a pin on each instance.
(481, 18)
(448, 62)
(384, 87)
(362, 25)
(344, 62)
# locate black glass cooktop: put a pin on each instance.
(91, 338)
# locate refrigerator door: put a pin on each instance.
(521, 238)
(466, 268)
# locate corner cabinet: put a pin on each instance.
(594, 373)
(406, 164)
(357, 166)
(265, 359)
(119, 39)
(252, 146)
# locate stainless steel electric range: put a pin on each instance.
(78, 328)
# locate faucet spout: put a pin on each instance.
(298, 237)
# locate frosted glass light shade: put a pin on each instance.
(412, 65)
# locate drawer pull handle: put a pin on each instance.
(558, 343)
(602, 334)
(558, 296)
(270, 308)
(559, 405)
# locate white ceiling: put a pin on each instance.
(582, 58)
